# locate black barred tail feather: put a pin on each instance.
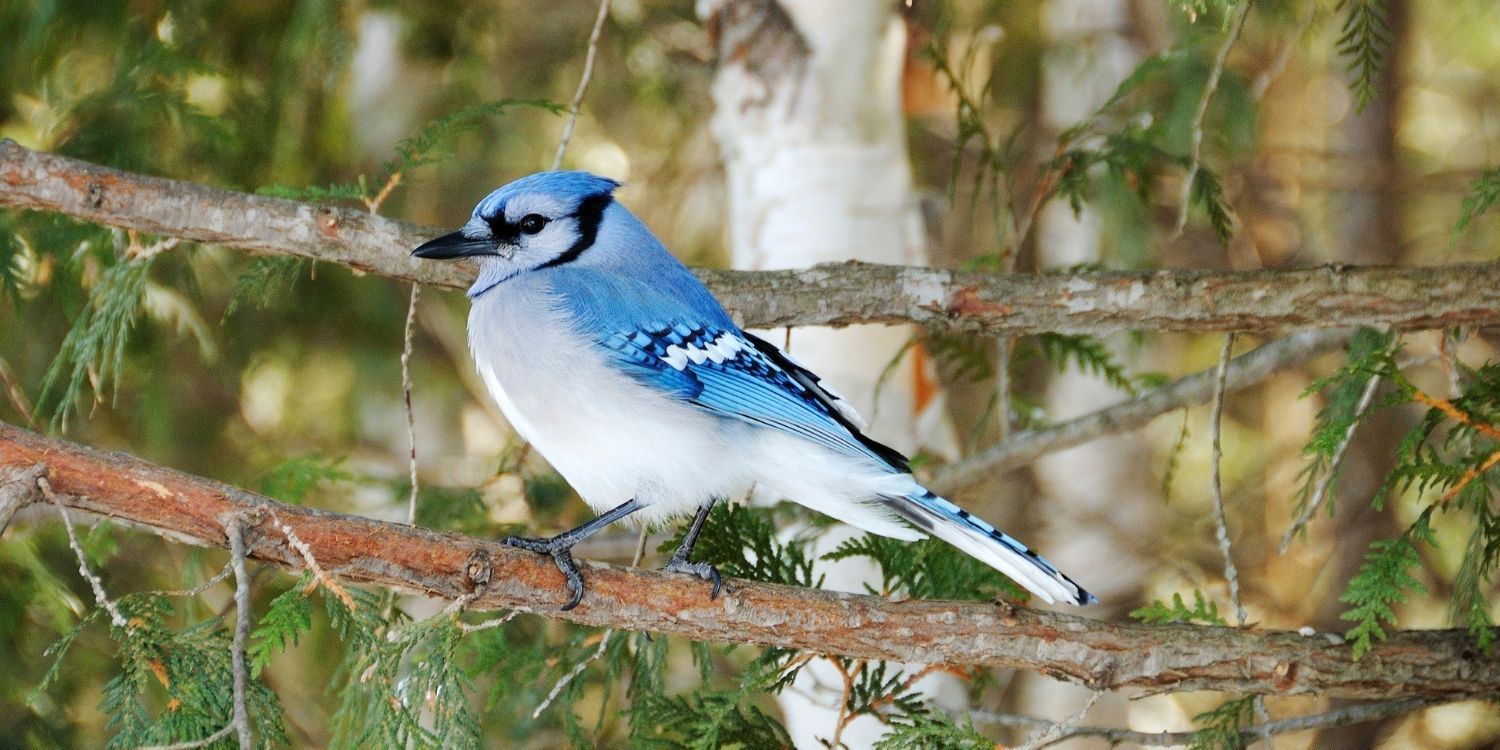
(991, 546)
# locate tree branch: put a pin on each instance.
(1338, 717)
(1245, 370)
(830, 294)
(1435, 664)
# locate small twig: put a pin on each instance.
(320, 576)
(1264, 717)
(583, 84)
(1006, 346)
(411, 422)
(493, 622)
(16, 395)
(1445, 355)
(202, 587)
(1456, 414)
(18, 489)
(573, 673)
(235, 529)
(374, 204)
(1245, 370)
(1273, 71)
(845, 715)
(1056, 732)
(640, 551)
(134, 250)
(115, 618)
(195, 744)
(1221, 525)
(1320, 492)
(1336, 718)
(1209, 87)
(1469, 475)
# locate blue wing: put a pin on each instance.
(681, 342)
(733, 374)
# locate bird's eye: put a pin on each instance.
(532, 223)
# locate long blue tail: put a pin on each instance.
(991, 546)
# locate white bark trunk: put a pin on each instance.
(1098, 486)
(810, 126)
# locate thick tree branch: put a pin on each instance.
(838, 294)
(1430, 664)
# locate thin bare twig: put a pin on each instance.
(223, 573)
(493, 622)
(583, 83)
(411, 422)
(1244, 371)
(18, 487)
(1264, 717)
(640, 551)
(1273, 71)
(235, 529)
(16, 395)
(115, 618)
(320, 576)
(373, 204)
(1209, 87)
(1058, 731)
(223, 732)
(1221, 525)
(1344, 716)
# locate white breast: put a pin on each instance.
(612, 438)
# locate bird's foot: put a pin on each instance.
(703, 570)
(561, 552)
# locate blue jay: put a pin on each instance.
(613, 361)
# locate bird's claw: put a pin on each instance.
(701, 570)
(562, 556)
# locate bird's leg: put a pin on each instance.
(560, 547)
(679, 562)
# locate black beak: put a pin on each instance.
(454, 245)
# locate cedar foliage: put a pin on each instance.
(401, 681)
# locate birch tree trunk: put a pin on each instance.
(1099, 485)
(809, 122)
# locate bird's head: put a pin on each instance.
(539, 221)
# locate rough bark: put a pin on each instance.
(1431, 663)
(830, 294)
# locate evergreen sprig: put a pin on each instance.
(706, 720)
(1223, 728)
(294, 479)
(427, 144)
(933, 731)
(1371, 354)
(94, 348)
(1089, 355)
(401, 683)
(285, 620)
(1204, 611)
(1364, 41)
(1483, 193)
(267, 275)
(174, 685)
(742, 541)
(928, 569)
(1383, 581)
